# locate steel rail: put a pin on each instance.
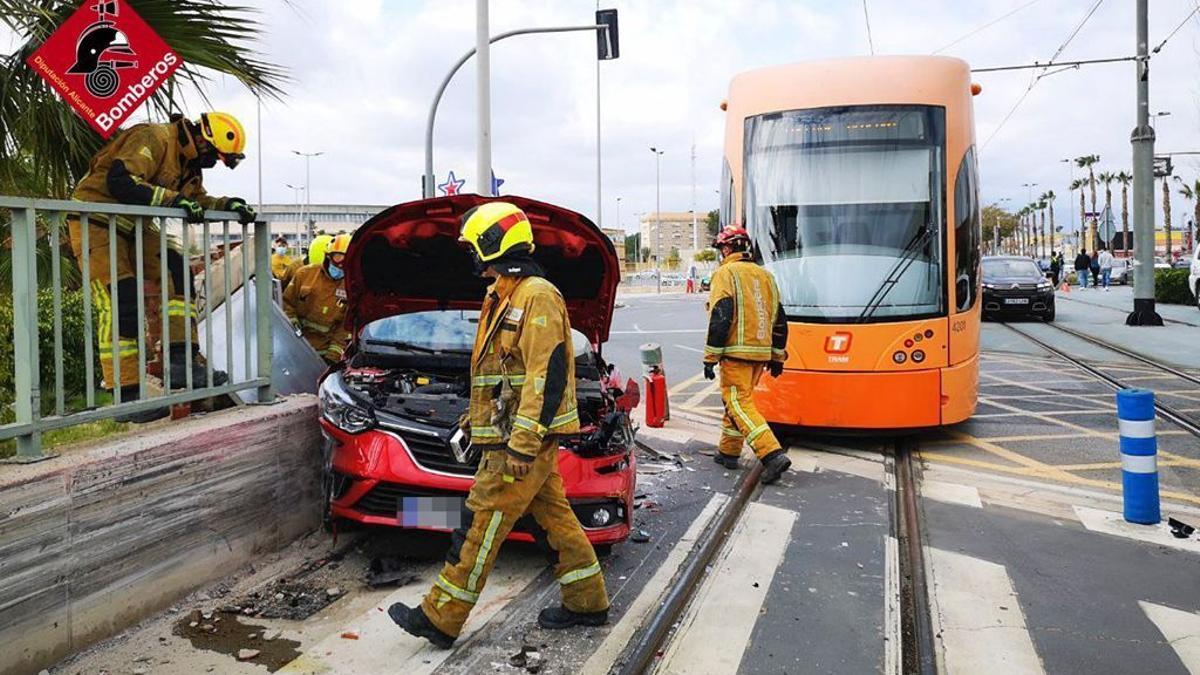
(916, 625)
(1169, 413)
(654, 632)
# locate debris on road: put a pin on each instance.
(1180, 529)
(528, 658)
(640, 537)
(390, 571)
(247, 654)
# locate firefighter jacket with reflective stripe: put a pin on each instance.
(317, 304)
(283, 268)
(148, 164)
(522, 367)
(746, 320)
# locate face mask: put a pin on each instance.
(281, 250)
(335, 272)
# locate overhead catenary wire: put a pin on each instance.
(984, 27)
(1037, 78)
(867, 18)
(1172, 33)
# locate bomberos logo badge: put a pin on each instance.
(105, 61)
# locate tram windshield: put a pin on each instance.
(845, 206)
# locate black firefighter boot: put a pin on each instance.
(414, 622)
(774, 465)
(199, 374)
(130, 393)
(728, 461)
(556, 618)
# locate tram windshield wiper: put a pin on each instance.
(906, 259)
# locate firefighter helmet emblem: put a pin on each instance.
(101, 51)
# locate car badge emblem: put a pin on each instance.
(464, 451)
(1015, 286)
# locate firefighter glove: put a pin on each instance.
(710, 371)
(516, 464)
(775, 368)
(246, 214)
(192, 212)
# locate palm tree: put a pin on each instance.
(1124, 178)
(1192, 194)
(211, 37)
(1167, 213)
(1033, 230)
(1080, 184)
(1107, 178)
(1086, 162)
(1048, 198)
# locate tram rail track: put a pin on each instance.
(1168, 412)
(916, 655)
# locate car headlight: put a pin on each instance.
(1045, 285)
(990, 287)
(339, 407)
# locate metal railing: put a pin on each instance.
(134, 223)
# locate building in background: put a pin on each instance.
(618, 239)
(677, 234)
(287, 221)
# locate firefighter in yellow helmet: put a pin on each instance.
(316, 249)
(152, 165)
(522, 399)
(315, 301)
(747, 334)
(283, 266)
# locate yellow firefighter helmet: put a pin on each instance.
(496, 228)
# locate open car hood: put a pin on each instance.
(408, 259)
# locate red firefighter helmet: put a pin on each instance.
(732, 236)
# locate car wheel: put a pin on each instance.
(1197, 294)
(1048, 317)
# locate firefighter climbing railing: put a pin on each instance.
(114, 246)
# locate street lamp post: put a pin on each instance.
(1033, 219)
(619, 214)
(1144, 312)
(657, 220)
(996, 226)
(296, 190)
(307, 213)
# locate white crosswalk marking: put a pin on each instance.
(951, 493)
(978, 618)
(382, 647)
(892, 661)
(1181, 629)
(715, 630)
(650, 596)
(1109, 522)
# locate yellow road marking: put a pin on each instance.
(678, 389)
(699, 396)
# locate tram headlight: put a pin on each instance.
(899, 357)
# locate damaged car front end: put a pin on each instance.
(391, 410)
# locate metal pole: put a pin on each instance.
(657, 221)
(263, 308)
(599, 202)
(483, 98)
(427, 185)
(1142, 139)
(259, 134)
(695, 229)
(308, 200)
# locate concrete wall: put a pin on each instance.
(98, 539)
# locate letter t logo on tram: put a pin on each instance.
(838, 343)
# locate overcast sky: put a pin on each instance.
(364, 72)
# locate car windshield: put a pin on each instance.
(1010, 268)
(437, 331)
(843, 202)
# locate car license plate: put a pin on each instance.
(1016, 301)
(443, 513)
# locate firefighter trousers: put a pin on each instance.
(181, 316)
(497, 502)
(742, 421)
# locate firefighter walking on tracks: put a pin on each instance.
(522, 398)
(747, 334)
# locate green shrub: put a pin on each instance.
(73, 366)
(1171, 287)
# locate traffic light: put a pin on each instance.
(608, 47)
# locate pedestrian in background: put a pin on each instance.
(1105, 261)
(1083, 263)
(1055, 267)
(1095, 268)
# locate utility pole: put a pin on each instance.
(657, 221)
(619, 214)
(483, 97)
(599, 202)
(695, 230)
(1142, 139)
(307, 212)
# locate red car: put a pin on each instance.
(390, 410)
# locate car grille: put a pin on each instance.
(1021, 291)
(384, 498)
(435, 455)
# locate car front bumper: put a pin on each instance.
(376, 480)
(1017, 301)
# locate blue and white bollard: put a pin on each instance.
(1139, 455)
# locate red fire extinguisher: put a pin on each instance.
(657, 412)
